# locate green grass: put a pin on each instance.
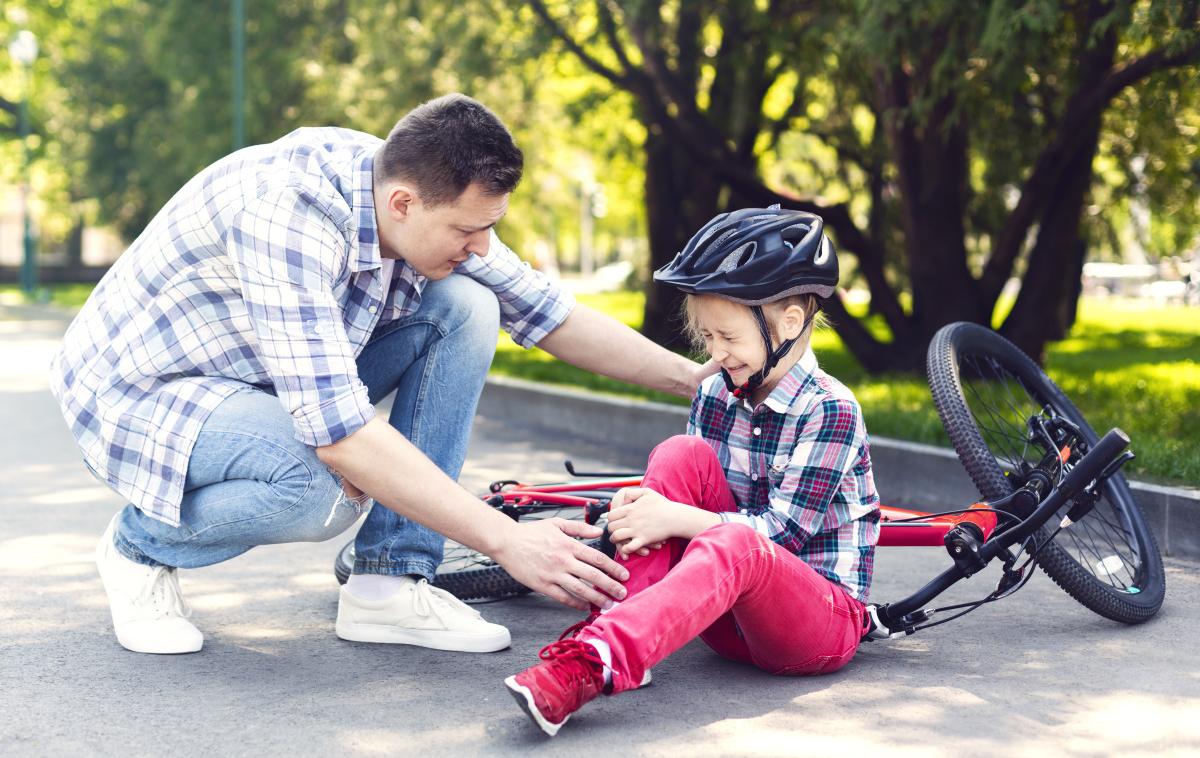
(66, 295)
(1126, 364)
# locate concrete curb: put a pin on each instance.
(908, 474)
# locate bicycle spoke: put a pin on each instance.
(1020, 416)
(998, 425)
(1089, 550)
(1118, 542)
(998, 439)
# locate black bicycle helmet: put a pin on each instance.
(756, 256)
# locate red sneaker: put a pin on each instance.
(572, 632)
(570, 674)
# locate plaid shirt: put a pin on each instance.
(263, 270)
(799, 468)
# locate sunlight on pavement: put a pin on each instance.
(71, 496)
(212, 601)
(314, 580)
(1124, 721)
(927, 717)
(395, 742)
(26, 363)
(234, 632)
(216, 601)
(62, 554)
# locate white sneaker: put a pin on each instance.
(148, 610)
(419, 614)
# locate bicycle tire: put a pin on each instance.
(1127, 583)
(465, 573)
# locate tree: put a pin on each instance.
(950, 144)
(149, 102)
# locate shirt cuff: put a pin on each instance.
(531, 306)
(334, 419)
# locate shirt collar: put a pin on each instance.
(362, 202)
(789, 387)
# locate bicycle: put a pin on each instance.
(1052, 492)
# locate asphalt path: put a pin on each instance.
(1034, 675)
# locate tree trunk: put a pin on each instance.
(75, 245)
(681, 196)
(1046, 306)
(1047, 303)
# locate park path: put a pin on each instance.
(1031, 676)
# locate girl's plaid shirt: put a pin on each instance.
(799, 467)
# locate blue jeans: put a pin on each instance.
(251, 482)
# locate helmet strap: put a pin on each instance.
(774, 355)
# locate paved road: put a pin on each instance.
(1032, 676)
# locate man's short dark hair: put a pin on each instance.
(446, 144)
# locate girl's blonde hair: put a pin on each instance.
(809, 303)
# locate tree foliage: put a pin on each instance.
(950, 146)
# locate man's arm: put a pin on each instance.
(540, 554)
(601, 344)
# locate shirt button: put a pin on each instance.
(757, 431)
(372, 309)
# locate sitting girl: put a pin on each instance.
(756, 530)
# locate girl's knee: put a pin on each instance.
(682, 450)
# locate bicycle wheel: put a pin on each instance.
(985, 390)
(465, 573)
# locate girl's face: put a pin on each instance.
(731, 336)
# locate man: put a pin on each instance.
(222, 377)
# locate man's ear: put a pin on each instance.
(400, 200)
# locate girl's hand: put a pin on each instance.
(640, 519)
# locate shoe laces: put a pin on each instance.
(162, 594)
(426, 598)
(573, 662)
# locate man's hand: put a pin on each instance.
(640, 518)
(543, 556)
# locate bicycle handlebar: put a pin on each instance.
(1082, 474)
(1089, 467)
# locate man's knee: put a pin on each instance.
(322, 513)
(467, 305)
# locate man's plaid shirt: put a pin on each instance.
(800, 469)
(264, 270)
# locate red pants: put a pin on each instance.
(748, 599)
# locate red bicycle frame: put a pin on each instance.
(896, 530)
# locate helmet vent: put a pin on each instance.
(736, 258)
(822, 254)
(794, 233)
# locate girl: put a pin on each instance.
(757, 529)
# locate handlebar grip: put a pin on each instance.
(1089, 467)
